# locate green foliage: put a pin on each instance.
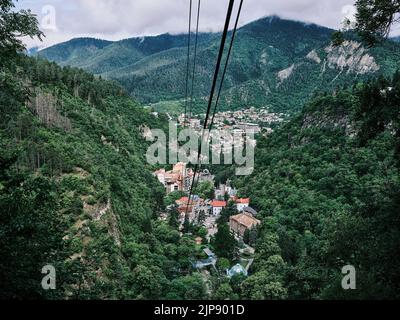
(188, 288)
(227, 212)
(173, 196)
(205, 190)
(337, 38)
(250, 236)
(325, 186)
(30, 235)
(223, 264)
(173, 218)
(375, 18)
(260, 287)
(225, 292)
(15, 25)
(76, 191)
(147, 282)
(224, 243)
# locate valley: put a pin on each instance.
(79, 194)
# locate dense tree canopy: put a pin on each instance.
(327, 187)
(15, 25)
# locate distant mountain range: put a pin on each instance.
(276, 63)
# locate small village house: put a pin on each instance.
(178, 179)
(182, 201)
(199, 241)
(185, 208)
(239, 223)
(242, 203)
(217, 206)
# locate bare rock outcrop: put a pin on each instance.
(351, 55)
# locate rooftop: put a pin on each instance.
(236, 270)
(208, 252)
(218, 203)
(250, 210)
(246, 220)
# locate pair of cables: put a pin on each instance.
(189, 105)
(208, 126)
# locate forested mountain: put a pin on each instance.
(77, 193)
(73, 51)
(327, 188)
(99, 56)
(276, 63)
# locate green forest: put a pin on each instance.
(77, 192)
(327, 185)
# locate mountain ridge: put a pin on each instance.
(269, 60)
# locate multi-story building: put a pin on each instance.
(178, 179)
(217, 207)
(239, 223)
(242, 203)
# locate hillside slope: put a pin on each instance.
(275, 63)
(99, 57)
(327, 189)
(76, 191)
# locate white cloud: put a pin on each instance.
(116, 19)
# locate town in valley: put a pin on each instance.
(203, 212)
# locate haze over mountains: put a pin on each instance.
(276, 63)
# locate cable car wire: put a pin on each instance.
(195, 58)
(214, 84)
(188, 61)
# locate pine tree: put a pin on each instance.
(224, 242)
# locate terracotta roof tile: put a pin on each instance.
(218, 203)
(246, 220)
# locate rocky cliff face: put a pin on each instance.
(351, 55)
(286, 73)
(313, 56)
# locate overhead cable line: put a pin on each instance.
(214, 84)
(226, 63)
(188, 62)
(195, 58)
(223, 76)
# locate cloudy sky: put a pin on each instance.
(117, 19)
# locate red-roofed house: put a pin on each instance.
(184, 206)
(242, 203)
(182, 201)
(217, 206)
(240, 223)
(178, 179)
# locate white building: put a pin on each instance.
(242, 203)
(217, 207)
